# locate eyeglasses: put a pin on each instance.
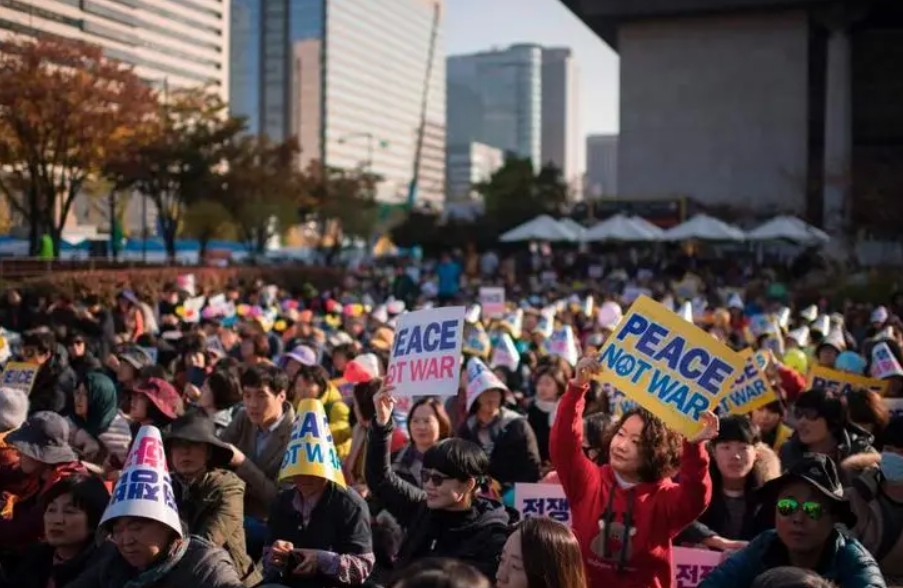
(788, 506)
(435, 478)
(810, 414)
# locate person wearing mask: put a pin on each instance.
(808, 504)
(447, 517)
(541, 553)
(259, 435)
(220, 396)
(770, 420)
(876, 497)
(742, 464)
(45, 456)
(505, 436)
(822, 426)
(319, 536)
(55, 381)
(550, 384)
(627, 513)
(428, 424)
(154, 402)
(97, 428)
(312, 381)
(210, 498)
(72, 509)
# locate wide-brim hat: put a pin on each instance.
(199, 428)
(819, 472)
(162, 395)
(44, 437)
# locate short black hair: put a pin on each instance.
(458, 458)
(40, 339)
(153, 371)
(434, 572)
(346, 349)
(225, 387)
(269, 376)
(316, 374)
(737, 427)
(829, 406)
(88, 492)
(363, 395)
(893, 433)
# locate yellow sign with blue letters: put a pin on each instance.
(752, 389)
(672, 368)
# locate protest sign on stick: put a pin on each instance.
(426, 354)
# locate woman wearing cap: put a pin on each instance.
(627, 512)
(45, 456)
(807, 503)
(98, 429)
(154, 402)
(312, 381)
(741, 464)
(210, 498)
(822, 426)
(72, 509)
(447, 518)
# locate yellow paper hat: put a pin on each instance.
(311, 451)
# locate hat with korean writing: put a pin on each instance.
(311, 451)
(144, 488)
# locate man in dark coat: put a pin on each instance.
(55, 381)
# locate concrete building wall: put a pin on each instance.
(468, 165)
(601, 166)
(561, 140)
(715, 108)
(306, 114)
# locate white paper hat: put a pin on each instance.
(810, 313)
(473, 314)
(480, 379)
(884, 362)
(800, 335)
(734, 301)
(546, 323)
(783, 318)
(395, 307)
(610, 314)
(562, 344)
(822, 324)
(505, 353)
(835, 339)
(668, 302)
(879, 315)
(144, 488)
(380, 314)
(588, 306)
(514, 322)
(686, 311)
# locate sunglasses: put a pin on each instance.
(435, 478)
(788, 506)
(810, 414)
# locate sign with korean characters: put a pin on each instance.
(752, 389)
(492, 300)
(842, 382)
(672, 368)
(542, 500)
(691, 566)
(19, 375)
(426, 354)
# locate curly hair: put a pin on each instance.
(660, 447)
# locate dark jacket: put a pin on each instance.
(515, 454)
(476, 536)
(203, 565)
(36, 567)
(850, 441)
(54, 384)
(213, 508)
(101, 332)
(845, 561)
(339, 523)
(539, 422)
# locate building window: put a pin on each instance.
(110, 13)
(41, 13)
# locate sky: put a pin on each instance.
(478, 25)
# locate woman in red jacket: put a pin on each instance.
(627, 512)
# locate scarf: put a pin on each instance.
(158, 571)
(102, 397)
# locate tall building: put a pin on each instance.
(495, 98)
(562, 138)
(180, 43)
(350, 80)
(468, 165)
(601, 166)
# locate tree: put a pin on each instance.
(64, 109)
(347, 196)
(207, 219)
(263, 188)
(176, 160)
(515, 193)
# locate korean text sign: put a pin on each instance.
(842, 382)
(145, 487)
(752, 389)
(691, 566)
(672, 368)
(426, 354)
(538, 500)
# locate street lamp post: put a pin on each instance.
(370, 138)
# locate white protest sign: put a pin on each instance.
(894, 406)
(186, 282)
(191, 309)
(492, 300)
(19, 375)
(691, 566)
(542, 500)
(426, 354)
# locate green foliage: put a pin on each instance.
(515, 193)
(343, 195)
(207, 219)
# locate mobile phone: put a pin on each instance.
(196, 375)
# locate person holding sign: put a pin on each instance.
(447, 518)
(626, 513)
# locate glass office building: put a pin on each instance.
(349, 79)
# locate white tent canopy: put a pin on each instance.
(789, 228)
(656, 230)
(573, 226)
(704, 228)
(620, 228)
(541, 228)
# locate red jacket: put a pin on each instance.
(649, 515)
(792, 383)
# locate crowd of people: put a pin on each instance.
(806, 490)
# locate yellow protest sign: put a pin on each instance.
(842, 382)
(672, 368)
(310, 450)
(752, 389)
(19, 375)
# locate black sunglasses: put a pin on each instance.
(435, 478)
(808, 413)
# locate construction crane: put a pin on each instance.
(418, 151)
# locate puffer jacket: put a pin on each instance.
(845, 561)
(879, 523)
(213, 508)
(202, 565)
(513, 451)
(852, 441)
